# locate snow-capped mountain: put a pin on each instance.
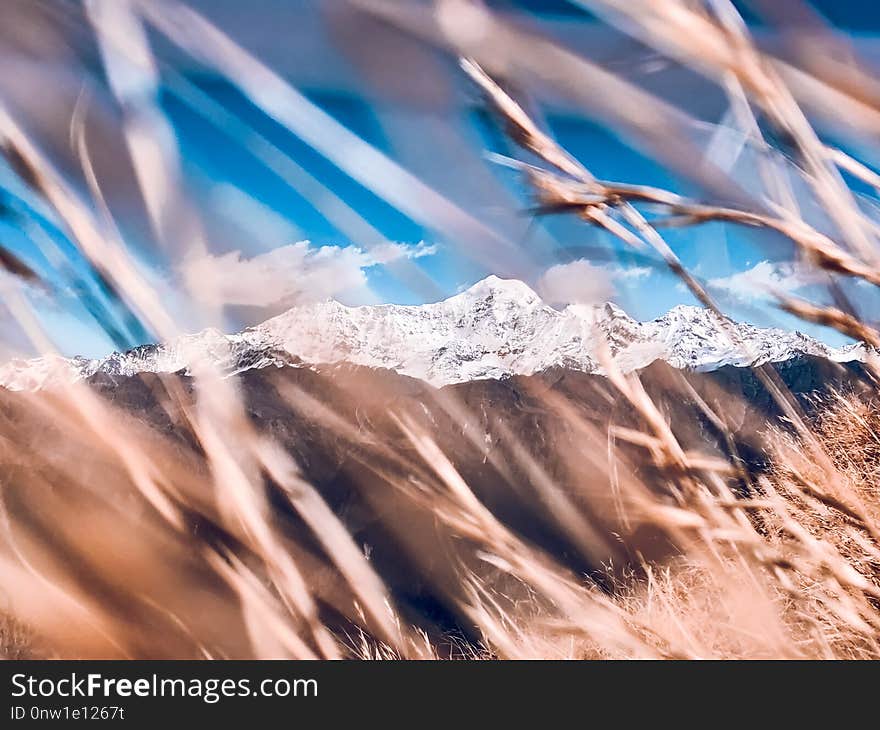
(497, 328)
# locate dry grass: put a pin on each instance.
(18, 641)
(117, 540)
(826, 535)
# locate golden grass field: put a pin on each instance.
(117, 540)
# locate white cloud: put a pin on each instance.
(633, 272)
(584, 283)
(292, 274)
(766, 277)
(385, 253)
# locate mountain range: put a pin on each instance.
(509, 389)
(495, 329)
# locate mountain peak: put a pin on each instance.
(495, 329)
(494, 285)
(612, 310)
(690, 310)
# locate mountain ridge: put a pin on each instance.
(494, 329)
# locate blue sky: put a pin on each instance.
(434, 129)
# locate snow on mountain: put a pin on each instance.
(498, 327)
